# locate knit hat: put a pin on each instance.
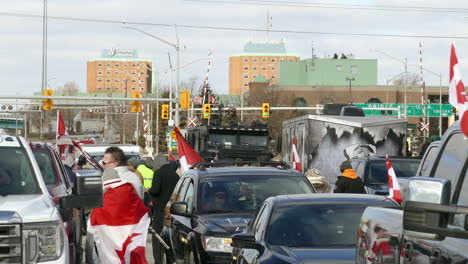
(159, 160)
(133, 162)
(345, 165)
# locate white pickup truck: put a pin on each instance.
(31, 227)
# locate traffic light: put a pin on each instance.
(165, 111)
(136, 105)
(185, 99)
(48, 104)
(206, 111)
(265, 110)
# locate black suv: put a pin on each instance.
(373, 171)
(59, 185)
(209, 205)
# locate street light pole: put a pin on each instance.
(350, 94)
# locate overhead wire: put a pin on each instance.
(232, 28)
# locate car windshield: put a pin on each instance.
(217, 140)
(402, 167)
(45, 165)
(246, 193)
(16, 173)
(254, 140)
(315, 225)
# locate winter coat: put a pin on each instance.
(164, 182)
(349, 182)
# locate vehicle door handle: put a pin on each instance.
(408, 251)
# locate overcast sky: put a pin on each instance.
(72, 43)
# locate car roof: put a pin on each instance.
(39, 145)
(331, 198)
(244, 171)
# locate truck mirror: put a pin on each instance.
(88, 191)
(429, 190)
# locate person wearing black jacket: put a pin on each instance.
(164, 182)
(348, 181)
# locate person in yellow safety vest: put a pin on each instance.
(132, 164)
(147, 174)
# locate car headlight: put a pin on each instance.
(43, 241)
(216, 244)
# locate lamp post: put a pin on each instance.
(405, 63)
(350, 94)
(177, 48)
(389, 80)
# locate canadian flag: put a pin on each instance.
(296, 162)
(187, 155)
(61, 128)
(393, 185)
(120, 227)
(457, 93)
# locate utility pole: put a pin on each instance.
(406, 88)
(350, 93)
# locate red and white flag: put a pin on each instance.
(394, 192)
(187, 155)
(457, 93)
(296, 162)
(61, 128)
(120, 227)
(212, 100)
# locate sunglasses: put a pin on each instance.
(103, 162)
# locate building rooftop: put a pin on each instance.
(252, 47)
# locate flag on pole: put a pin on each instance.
(61, 128)
(120, 227)
(296, 162)
(171, 157)
(393, 185)
(187, 155)
(457, 93)
(88, 157)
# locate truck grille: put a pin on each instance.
(10, 243)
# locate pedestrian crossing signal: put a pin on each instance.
(165, 111)
(206, 111)
(136, 105)
(265, 110)
(48, 104)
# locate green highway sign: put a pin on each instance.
(432, 110)
(173, 143)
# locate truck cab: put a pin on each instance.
(229, 143)
(31, 227)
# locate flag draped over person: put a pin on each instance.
(296, 162)
(63, 149)
(120, 227)
(394, 192)
(457, 93)
(187, 155)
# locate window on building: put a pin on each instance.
(99, 72)
(108, 72)
(246, 59)
(133, 81)
(99, 80)
(141, 88)
(290, 59)
(255, 59)
(246, 68)
(133, 65)
(107, 80)
(116, 80)
(142, 81)
(116, 88)
(246, 84)
(125, 65)
(99, 65)
(272, 76)
(108, 64)
(99, 88)
(124, 72)
(272, 68)
(374, 100)
(273, 59)
(133, 88)
(133, 73)
(354, 69)
(108, 88)
(264, 59)
(116, 72)
(339, 67)
(116, 65)
(142, 73)
(255, 68)
(255, 76)
(282, 59)
(246, 76)
(264, 68)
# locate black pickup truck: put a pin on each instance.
(431, 226)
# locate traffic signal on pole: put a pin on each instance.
(136, 105)
(206, 111)
(265, 110)
(165, 111)
(185, 99)
(48, 104)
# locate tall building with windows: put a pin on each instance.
(256, 59)
(120, 71)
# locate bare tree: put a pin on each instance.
(413, 79)
(69, 88)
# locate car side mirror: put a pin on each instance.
(179, 208)
(88, 191)
(245, 240)
(423, 214)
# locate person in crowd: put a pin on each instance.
(247, 199)
(164, 181)
(133, 165)
(147, 174)
(115, 158)
(348, 181)
(6, 182)
(317, 180)
(80, 164)
(158, 161)
(68, 165)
